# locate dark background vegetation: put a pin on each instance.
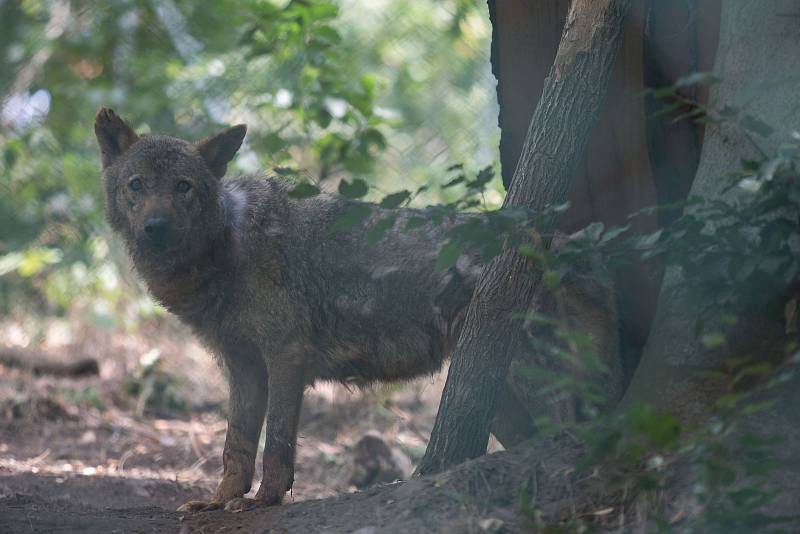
(327, 91)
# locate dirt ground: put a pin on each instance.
(121, 450)
(481, 496)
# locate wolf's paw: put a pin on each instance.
(200, 506)
(241, 504)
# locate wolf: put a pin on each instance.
(279, 298)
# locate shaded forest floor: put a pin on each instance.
(120, 450)
(481, 496)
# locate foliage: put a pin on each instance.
(740, 248)
(645, 453)
(486, 234)
(153, 388)
(737, 249)
(330, 90)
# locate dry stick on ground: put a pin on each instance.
(39, 363)
(568, 109)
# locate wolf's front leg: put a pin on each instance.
(248, 402)
(286, 385)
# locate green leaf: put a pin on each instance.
(372, 136)
(755, 407)
(328, 34)
(321, 10)
(713, 340)
(9, 156)
(304, 190)
(593, 231)
(485, 175)
(552, 278)
(491, 249)
(448, 255)
(415, 222)
(755, 125)
(729, 112)
(669, 108)
(561, 208)
(323, 118)
(750, 165)
(352, 217)
(648, 240)
(455, 181)
(274, 142)
(10, 262)
(613, 233)
(697, 78)
(663, 92)
(394, 200)
(36, 259)
(756, 370)
(369, 83)
(379, 229)
(357, 189)
(285, 171)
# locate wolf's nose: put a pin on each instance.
(156, 229)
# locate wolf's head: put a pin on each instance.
(162, 193)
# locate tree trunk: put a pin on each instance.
(758, 58)
(634, 157)
(680, 38)
(556, 140)
(525, 37)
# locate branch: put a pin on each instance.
(568, 109)
(38, 363)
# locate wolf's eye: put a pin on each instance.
(135, 185)
(183, 186)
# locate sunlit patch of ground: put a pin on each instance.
(117, 425)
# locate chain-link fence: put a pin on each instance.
(393, 91)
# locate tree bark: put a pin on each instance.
(525, 37)
(757, 61)
(556, 140)
(680, 38)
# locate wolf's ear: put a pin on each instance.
(113, 135)
(218, 150)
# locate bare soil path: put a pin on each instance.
(477, 497)
(93, 454)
